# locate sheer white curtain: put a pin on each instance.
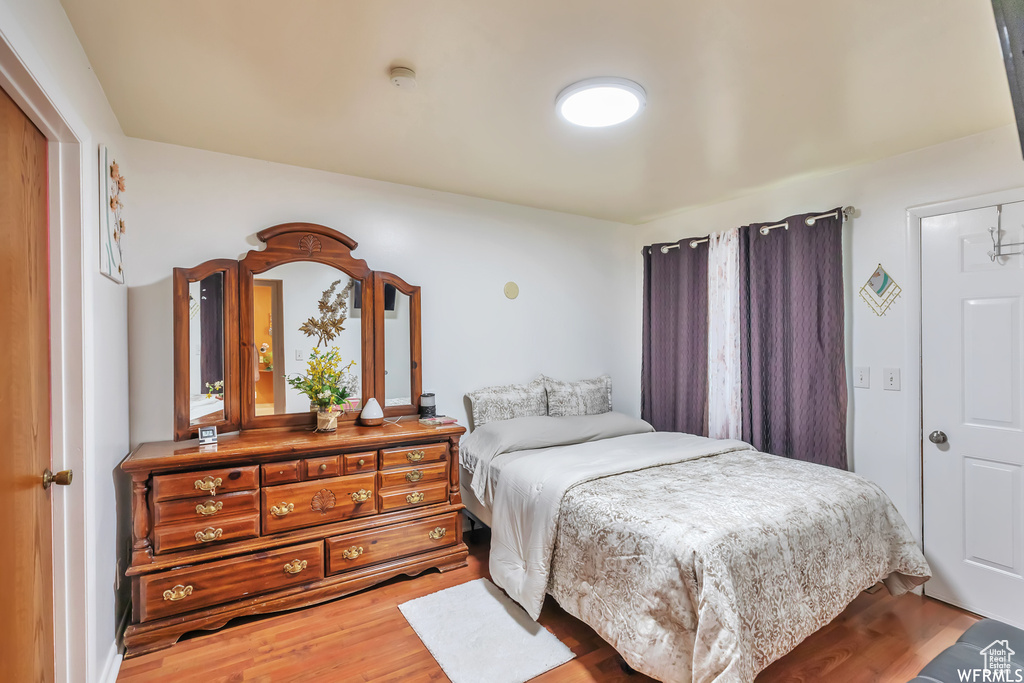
(725, 390)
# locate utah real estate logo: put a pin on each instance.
(998, 666)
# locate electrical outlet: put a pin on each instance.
(300, 355)
(862, 377)
(891, 379)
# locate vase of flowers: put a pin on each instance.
(327, 383)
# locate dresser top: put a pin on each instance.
(271, 444)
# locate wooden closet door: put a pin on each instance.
(26, 552)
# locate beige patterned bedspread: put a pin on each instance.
(711, 569)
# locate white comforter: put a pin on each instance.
(701, 560)
(530, 491)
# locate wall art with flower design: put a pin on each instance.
(111, 220)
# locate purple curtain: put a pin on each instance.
(211, 329)
(674, 376)
(792, 340)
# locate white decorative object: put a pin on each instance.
(489, 639)
(372, 415)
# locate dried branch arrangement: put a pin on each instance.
(333, 306)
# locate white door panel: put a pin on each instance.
(972, 349)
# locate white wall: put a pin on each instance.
(40, 34)
(883, 421)
(575, 316)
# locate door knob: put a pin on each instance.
(62, 478)
(937, 437)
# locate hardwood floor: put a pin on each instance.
(363, 637)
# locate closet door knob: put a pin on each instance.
(937, 437)
(62, 478)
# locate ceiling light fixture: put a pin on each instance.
(600, 102)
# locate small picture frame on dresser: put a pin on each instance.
(207, 436)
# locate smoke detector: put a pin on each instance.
(403, 78)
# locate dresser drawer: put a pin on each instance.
(369, 547)
(196, 509)
(184, 590)
(317, 468)
(322, 501)
(414, 476)
(413, 455)
(205, 483)
(205, 532)
(396, 499)
(357, 463)
(281, 472)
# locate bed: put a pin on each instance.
(696, 559)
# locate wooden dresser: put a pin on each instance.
(272, 520)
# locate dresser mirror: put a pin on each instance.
(304, 291)
(399, 336)
(205, 334)
(299, 307)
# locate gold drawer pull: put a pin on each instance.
(438, 533)
(360, 463)
(179, 592)
(352, 553)
(323, 467)
(295, 566)
(209, 507)
(415, 475)
(209, 534)
(209, 484)
(282, 509)
(415, 456)
(360, 496)
(415, 497)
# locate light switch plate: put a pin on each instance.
(891, 379)
(862, 377)
(300, 355)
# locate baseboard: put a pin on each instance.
(112, 666)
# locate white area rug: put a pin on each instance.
(477, 634)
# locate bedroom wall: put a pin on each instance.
(574, 318)
(40, 34)
(881, 192)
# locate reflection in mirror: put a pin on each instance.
(298, 307)
(206, 349)
(397, 348)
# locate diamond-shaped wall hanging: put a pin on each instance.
(880, 291)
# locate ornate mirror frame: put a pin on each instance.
(289, 243)
(416, 352)
(182, 277)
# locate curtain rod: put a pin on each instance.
(846, 212)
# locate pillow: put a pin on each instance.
(507, 402)
(586, 397)
(527, 433)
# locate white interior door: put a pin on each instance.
(972, 349)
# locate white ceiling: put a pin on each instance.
(740, 92)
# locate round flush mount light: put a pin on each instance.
(600, 102)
